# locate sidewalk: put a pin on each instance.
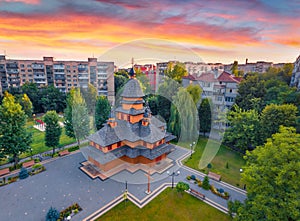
(43, 153)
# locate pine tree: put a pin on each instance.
(102, 111)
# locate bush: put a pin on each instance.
(36, 166)
(188, 177)
(23, 173)
(52, 215)
(193, 177)
(37, 160)
(205, 183)
(182, 186)
(71, 149)
(227, 165)
(209, 166)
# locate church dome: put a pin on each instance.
(132, 89)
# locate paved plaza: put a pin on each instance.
(63, 184)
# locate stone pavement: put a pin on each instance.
(63, 184)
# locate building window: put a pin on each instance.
(109, 147)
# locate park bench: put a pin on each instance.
(28, 164)
(63, 153)
(214, 176)
(197, 194)
(4, 171)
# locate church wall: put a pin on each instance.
(135, 106)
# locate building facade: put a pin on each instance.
(62, 74)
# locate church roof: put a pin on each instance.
(132, 89)
(127, 131)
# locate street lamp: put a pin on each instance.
(173, 174)
(191, 145)
(31, 153)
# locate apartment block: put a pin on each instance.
(295, 80)
(62, 74)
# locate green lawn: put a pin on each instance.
(225, 155)
(38, 140)
(169, 205)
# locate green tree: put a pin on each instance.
(26, 105)
(52, 99)
(244, 132)
(205, 183)
(53, 130)
(233, 207)
(14, 138)
(153, 104)
(69, 131)
(176, 72)
(272, 177)
(275, 115)
(235, 68)
(181, 187)
(166, 91)
(80, 117)
(204, 113)
(102, 111)
(23, 174)
(121, 79)
(52, 214)
(195, 91)
(184, 117)
(33, 93)
(250, 88)
(144, 82)
(90, 96)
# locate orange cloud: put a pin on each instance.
(31, 2)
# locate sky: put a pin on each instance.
(185, 30)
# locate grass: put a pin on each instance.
(223, 157)
(38, 140)
(169, 205)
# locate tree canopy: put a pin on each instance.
(204, 112)
(102, 111)
(272, 177)
(53, 130)
(176, 72)
(14, 138)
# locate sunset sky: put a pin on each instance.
(211, 31)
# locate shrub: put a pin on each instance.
(205, 183)
(75, 211)
(37, 160)
(71, 149)
(23, 173)
(181, 186)
(227, 165)
(188, 177)
(35, 166)
(221, 190)
(52, 215)
(193, 177)
(209, 166)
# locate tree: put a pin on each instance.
(90, 97)
(80, 117)
(102, 111)
(121, 79)
(144, 82)
(272, 177)
(204, 113)
(176, 72)
(23, 174)
(14, 138)
(184, 120)
(244, 132)
(195, 91)
(182, 186)
(33, 93)
(53, 130)
(235, 68)
(166, 91)
(250, 88)
(52, 214)
(275, 115)
(233, 207)
(205, 183)
(153, 104)
(26, 105)
(52, 99)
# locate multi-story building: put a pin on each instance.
(150, 71)
(62, 74)
(259, 66)
(295, 80)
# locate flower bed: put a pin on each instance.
(219, 192)
(70, 211)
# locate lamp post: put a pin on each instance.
(31, 153)
(191, 145)
(173, 174)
